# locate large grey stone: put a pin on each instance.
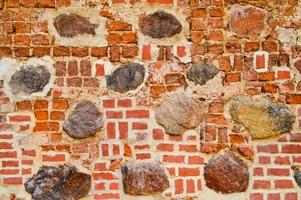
(70, 25)
(226, 173)
(160, 24)
(201, 73)
(126, 77)
(179, 112)
(58, 183)
(84, 121)
(29, 79)
(261, 118)
(143, 178)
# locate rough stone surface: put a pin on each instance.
(247, 20)
(84, 121)
(178, 113)
(29, 79)
(159, 25)
(70, 25)
(262, 118)
(126, 77)
(298, 65)
(58, 183)
(144, 178)
(226, 173)
(201, 73)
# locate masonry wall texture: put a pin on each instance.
(150, 99)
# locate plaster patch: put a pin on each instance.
(13, 66)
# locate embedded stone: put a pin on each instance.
(201, 73)
(143, 178)
(58, 183)
(70, 25)
(298, 66)
(84, 121)
(159, 25)
(261, 118)
(127, 77)
(226, 173)
(247, 20)
(178, 113)
(29, 79)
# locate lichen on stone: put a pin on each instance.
(199, 74)
(29, 79)
(261, 118)
(126, 77)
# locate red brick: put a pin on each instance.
(195, 160)
(278, 172)
(111, 133)
(274, 196)
(137, 114)
(113, 114)
(188, 148)
(165, 147)
(184, 171)
(99, 51)
(291, 196)
(124, 103)
(139, 126)
(106, 196)
(179, 188)
(256, 196)
(123, 130)
(261, 184)
(291, 148)
(283, 184)
(158, 134)
(53, 158)
(12, 180)
(146, 52)
(272, 148)
(118, 26)
(293, 99)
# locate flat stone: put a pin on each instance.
(247, 20)
(159, 24)
(58, 183)
(226, 173)
(29, 79)
(201, 73)
(84, 121)
(261, 118)
(70, 25)
(126, 77)
(143, 178)
(178, 113)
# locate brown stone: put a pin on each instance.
(247, 20)
(58, 183)
(70, 25)
(144, 178)
(226, 173)
(261, 118)
(159, 25)
(179, 112)
(84, 121)
(298, 65)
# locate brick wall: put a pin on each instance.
(257, 53)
